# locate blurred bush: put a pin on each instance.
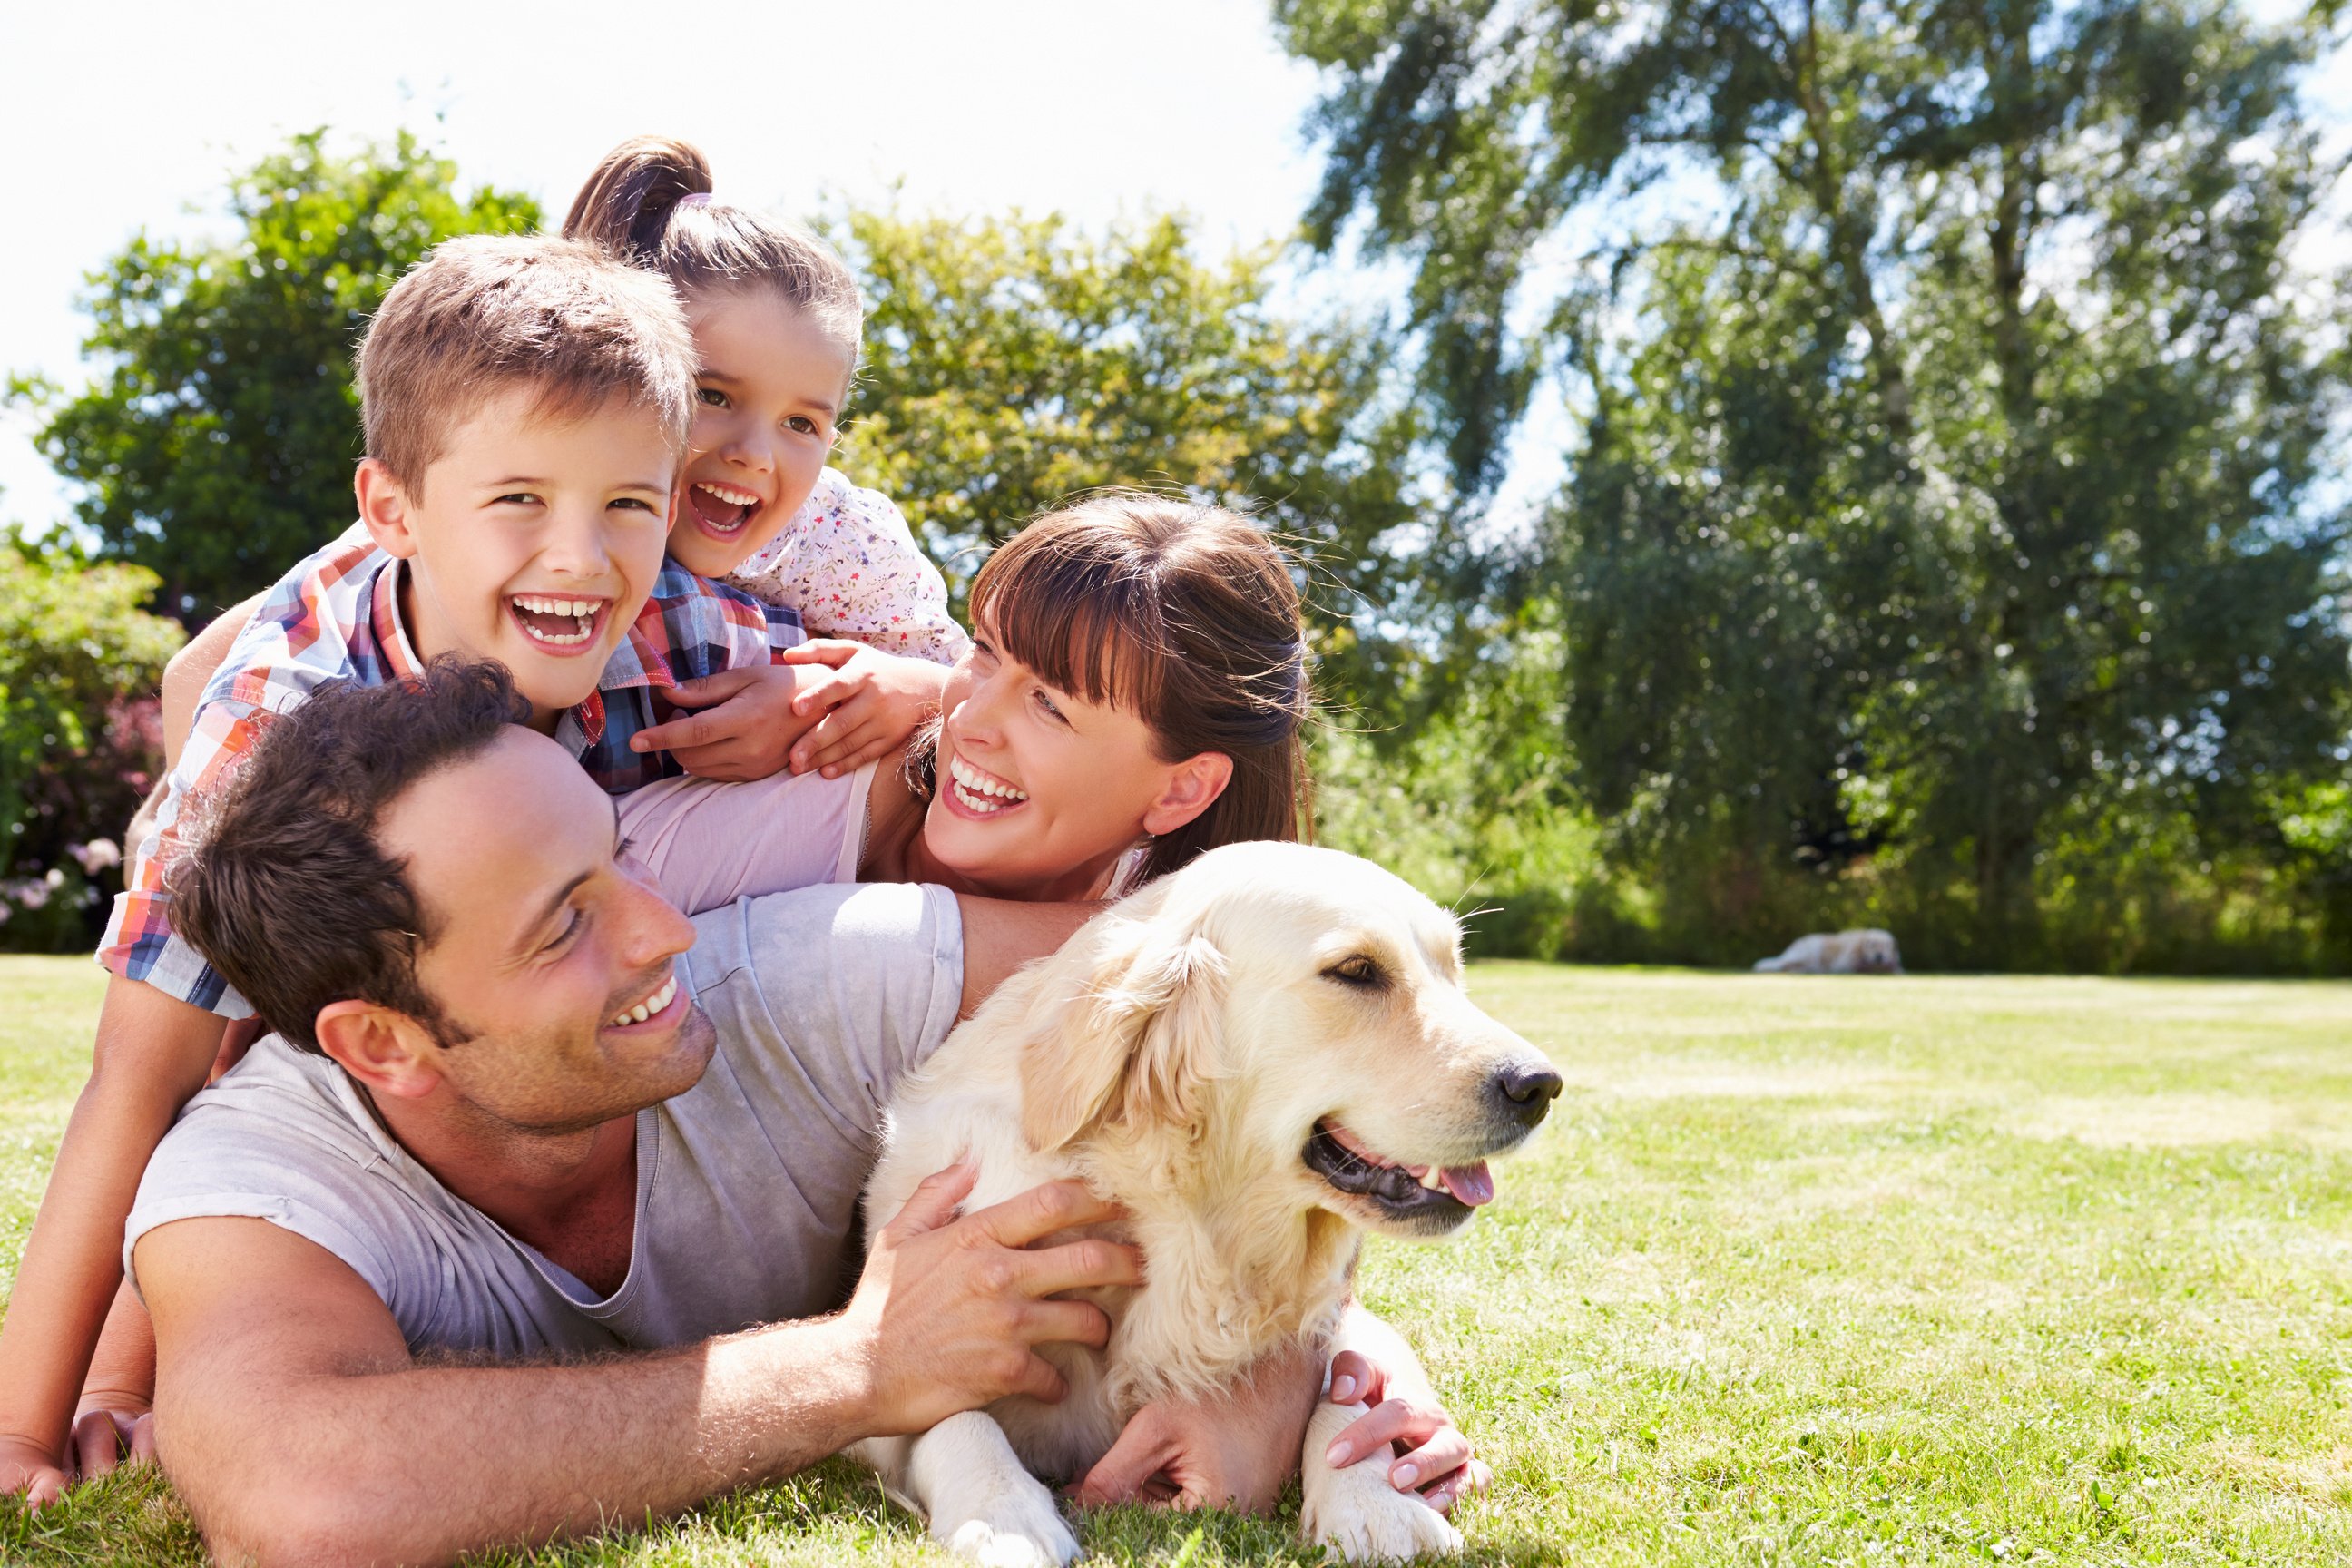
(79, 739)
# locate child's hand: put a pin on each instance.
(870, 702)
(744, 727)
(28, 1468)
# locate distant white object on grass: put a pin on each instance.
(1839, 952)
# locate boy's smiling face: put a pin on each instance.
(531, 540)
(766, 401)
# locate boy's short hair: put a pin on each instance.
(486, 312)
(281, 883)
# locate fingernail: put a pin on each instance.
(1404, 1476)
(1339, 1454)
(1343, 1389)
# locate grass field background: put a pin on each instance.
(1930, 1269)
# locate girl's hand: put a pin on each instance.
(869, 703)
(28, 1468)
(743, 725)
(1433, 1457)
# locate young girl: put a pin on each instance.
(776, 321)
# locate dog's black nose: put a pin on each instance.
(1524, 1091)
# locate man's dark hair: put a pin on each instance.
(282, 885)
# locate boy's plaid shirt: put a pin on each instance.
(336, 616)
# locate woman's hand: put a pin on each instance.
(1433, 1457)
(869, 703)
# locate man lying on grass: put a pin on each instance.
(519, 1111)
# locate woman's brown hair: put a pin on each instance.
(1184, 616)
(641, 203)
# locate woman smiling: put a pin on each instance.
(1134, 696)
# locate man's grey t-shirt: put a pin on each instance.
(747, 1184)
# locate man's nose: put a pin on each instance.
(1523, 1092)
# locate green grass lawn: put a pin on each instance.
(1818, 1271)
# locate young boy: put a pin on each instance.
(526, 404)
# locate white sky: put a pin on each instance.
(126, 116)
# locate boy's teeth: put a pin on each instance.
(649, 1006)
(583, 611)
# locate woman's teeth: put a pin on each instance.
(979, 792)
(649, 1006)
(544, 617)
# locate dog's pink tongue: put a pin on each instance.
(1469, 1185)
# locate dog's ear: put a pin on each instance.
(1135, 1045)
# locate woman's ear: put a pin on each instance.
(1193, 786)
(386, 1051)
(383, 507)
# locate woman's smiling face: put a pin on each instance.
(1039, 790)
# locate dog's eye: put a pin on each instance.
(1358, 972)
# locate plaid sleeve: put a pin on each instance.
(140, 944)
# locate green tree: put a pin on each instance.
(1014, 364)
(78, 664)
(1952, 415)
(216, 443)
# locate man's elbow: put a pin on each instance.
(292, 1518)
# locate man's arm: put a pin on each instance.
(296, 1426)
(1000, 936)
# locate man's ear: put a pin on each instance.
(384, 508)
(1193, 787)
(387, 1051)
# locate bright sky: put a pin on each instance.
(126, 117)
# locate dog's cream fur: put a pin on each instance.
(1177, 1055)
(1869, 952)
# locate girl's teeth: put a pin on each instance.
(731, 495)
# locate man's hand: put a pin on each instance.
(948, 1310)
(1433, 1458)
(866, 702)
(743, 726)
(1235, 1450)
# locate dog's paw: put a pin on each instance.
(1023, 1529)
(1359, 1515)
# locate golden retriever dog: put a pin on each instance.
(1841, 952)
(1261, 1057)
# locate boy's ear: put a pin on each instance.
(1193, 786)
(384, 508)
(386, 1051)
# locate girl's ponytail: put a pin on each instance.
(626, 204)
(638, 205)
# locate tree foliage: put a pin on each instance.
(78, 663)
(216, 443)
(1014, 364)
(1946, 496)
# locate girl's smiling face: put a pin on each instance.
(767, 398)
(1041, 791)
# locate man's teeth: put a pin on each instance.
(649, 1006)
(980, 792)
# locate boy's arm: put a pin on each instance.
(191, 671)
(151, 1055)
